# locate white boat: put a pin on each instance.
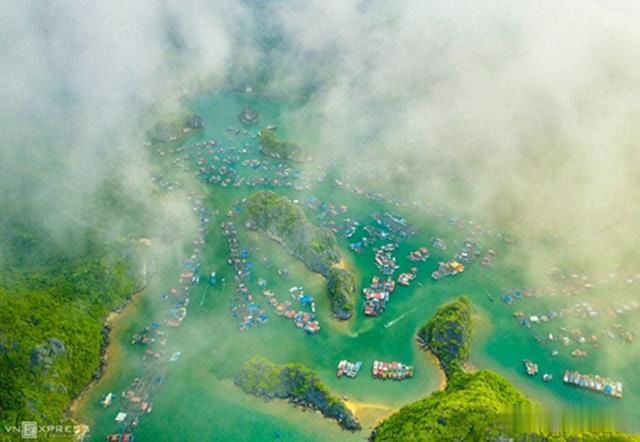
(107, 400)
(120, 417)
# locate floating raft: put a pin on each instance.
(596, 383)
(349, 369)
(391, 370)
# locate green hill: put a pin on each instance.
(468, 410)
(296, 383)
(481, 406)
(271, 146)
(316, 247)
(55, 292)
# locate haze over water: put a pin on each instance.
(199, 398)
(521, 117)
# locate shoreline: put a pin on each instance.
(108, 354)
(342, 264)
(442, 377)
(359, 409)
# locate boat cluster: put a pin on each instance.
(489, 258)
(244, 309)
(395, 224)
(391, 370)
(594, 383)
(348, 369)
(164, 184)
(466, 255)
(136, 400)
(438, 243)
(380, 370)
(117, 437)
(384, 259)
(419, 255)
(228, 166)
(377, 295)
(447, 268)
(304, 320)
(531, 368)
(406, 277)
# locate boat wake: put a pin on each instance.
(395, 321)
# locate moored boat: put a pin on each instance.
(530, 367)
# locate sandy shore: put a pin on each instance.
(358, 407)
(369, 414)
(469, 367)
(442, 377)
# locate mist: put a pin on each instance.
(518, 115)
(81, 84)
(521, 116)
(524, 113)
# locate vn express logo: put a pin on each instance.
(31, 430)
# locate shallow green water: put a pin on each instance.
(199, 400)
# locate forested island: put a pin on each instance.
(287, 224)
(55, 293)
(271, 146)
(173, 129)
(296, 383)
(476, 406)
(448, 335)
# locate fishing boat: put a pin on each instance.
(348, 369)
(341, 367)
(530, 367)
(578, 353)
(107, 400)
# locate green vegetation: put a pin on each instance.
(448, 335)
(55, 290)
(342, 287)
(475, 407)
(285, 150)
(469, 409)
(315, 246)
(481, 406)
(294, 382)
(173, 129)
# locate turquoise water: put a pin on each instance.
(199, 400)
